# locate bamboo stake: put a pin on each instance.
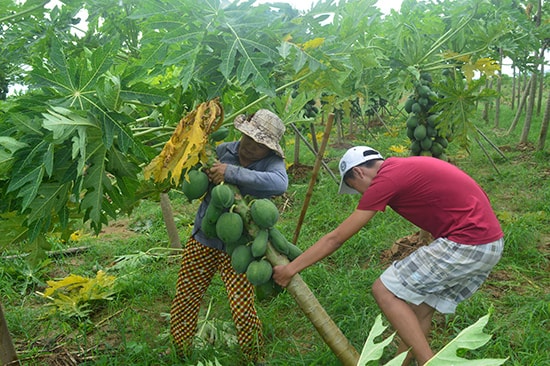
(318, 161)
(310, 147)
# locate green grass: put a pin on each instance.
(132, 328)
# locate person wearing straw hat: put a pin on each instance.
(437, 197)
(255, 164)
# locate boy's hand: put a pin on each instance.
(282, 275)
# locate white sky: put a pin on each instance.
(384, 5)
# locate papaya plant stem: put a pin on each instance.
(265, 96)
(445, 37)
(306, 300)
(169, 222)
(25, 12)
(323, 323)
(7, 350)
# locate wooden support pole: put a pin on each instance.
(318, 161)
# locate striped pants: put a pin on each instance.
(198, 266)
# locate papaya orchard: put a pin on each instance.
(97, 106)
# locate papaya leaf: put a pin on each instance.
(373, 351)
(12, 229)
(397, 360)
(63, 122)
(51, 198)
(95, 204)
(8, 146)
(188, 144)
(27, 183)
(253, 55)
(470, 338)
(74, 295)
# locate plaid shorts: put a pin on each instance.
(443, 273)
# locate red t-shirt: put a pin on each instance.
(435, 196)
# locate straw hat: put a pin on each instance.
(264, 127)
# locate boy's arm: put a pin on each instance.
(324, 247)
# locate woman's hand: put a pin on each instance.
(216, 173)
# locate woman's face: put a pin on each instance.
(251, 150)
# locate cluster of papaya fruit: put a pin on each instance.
(310, 109)
(246, 228)
(246, 235)
(422, 123)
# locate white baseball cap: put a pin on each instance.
(355, 156)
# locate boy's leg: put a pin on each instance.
(198, 265)
(409, 326)
(424, 314)
(240, 293)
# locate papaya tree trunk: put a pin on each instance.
(323, 323)
(168, 216)
(514, 86)
(521, 104)
(529, 111)
(296, 148)
(7, 350)
(308, 303)
(544, 126)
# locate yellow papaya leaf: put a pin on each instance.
(468, 70)
(314, 43)
(188, 144)
(74, 294)
(68, 283)
(399, 149)
(487, 66)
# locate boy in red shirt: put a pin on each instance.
(437, 197)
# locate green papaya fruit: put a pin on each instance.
(259, 272)
(195, 185)
(420, 132)
(229, 227)
(264, 213)
(220, 134)
(259, 245)
(241, 258)
(222, 196)
(408, 104)
(278, 240)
